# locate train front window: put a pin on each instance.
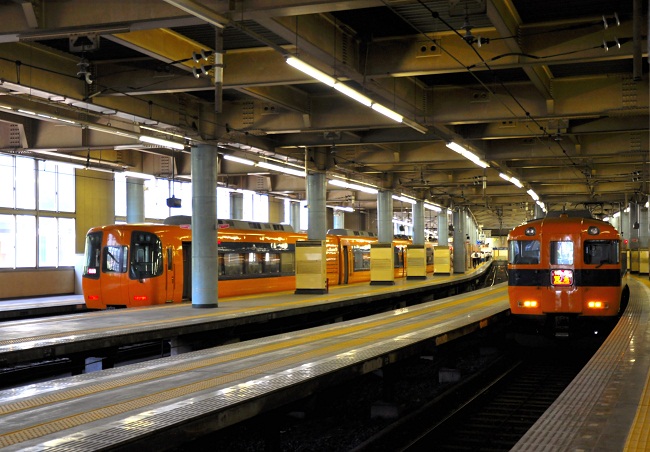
(599, 252)
(92, 255)
(146, 255)
(562, 253)
(523, 252)
(115, 259)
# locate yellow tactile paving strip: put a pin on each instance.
(639, 437)
(159, 323)
(385, 332)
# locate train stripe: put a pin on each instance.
(542, 277)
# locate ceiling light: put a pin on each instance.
(433, 207)
(352, 186)
(311, 71)
(343, 208)
(405, 199)
(281, 169)
(387, 112)
(138, 175)
(533, 195)
(467, 154)
(515, 181)
(161, 142)
(356, 95)
(232, 158)
(204, 54)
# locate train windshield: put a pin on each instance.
(92, 255)
(599, 252)
(523, 252)
(146, 255)
(562, 253)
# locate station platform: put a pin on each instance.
(41, 307)
(93, 333)
(607, 406)
(158, 402)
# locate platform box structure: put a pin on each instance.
(417, 262)
(634, 261)
(442, 260)
(644, 264)
(311, 267)
(382, 266)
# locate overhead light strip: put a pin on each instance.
(469, 155)
(352, 93)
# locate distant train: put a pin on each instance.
(563, 270)
(129, 265)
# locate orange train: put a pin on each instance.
(131, 265)
(565, 269)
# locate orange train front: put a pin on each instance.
(565, 269)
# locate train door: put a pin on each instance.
(115, 278)
(148, 285)
(346, 264)
(187, 270)
(170, 276)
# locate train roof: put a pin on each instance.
(570, 224)
(177, 220)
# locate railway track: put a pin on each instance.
(493, 409)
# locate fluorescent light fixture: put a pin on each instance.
(541, 205)
(161, 142)
(405, 199)
(281, 169)
(433, 207)
(533, 194)
(467, 154)
(233, 158)
(357, 187)
(343, 208)
(504, 177)
(138, 175)
(27, 112)
(356, 95)
(617, 214)
(311, 71)
(515, 181)
(387, 112)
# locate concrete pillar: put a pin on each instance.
(418, 223)
(134, 200)
(385, 216)
(295, 216)
(459, 241)
(317, 229)
(443, 227)
(339, 219)
(236, 205)
(204, 227)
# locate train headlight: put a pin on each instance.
(530, 231)
(593, 230)
(528, 304)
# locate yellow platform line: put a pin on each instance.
(162, 322)
(638, 438)
(68, 422)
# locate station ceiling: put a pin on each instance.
(553, 93)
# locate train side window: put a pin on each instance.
(361, 258)
(271, 263)
(523, 252)
(398, 257)
(221, 270)
(598, 252)
(253, 264)
(287, 263)
(562, 253)
(146, 255)
(92, 255)
(115, 259)
(233, 264)
(429, 252)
